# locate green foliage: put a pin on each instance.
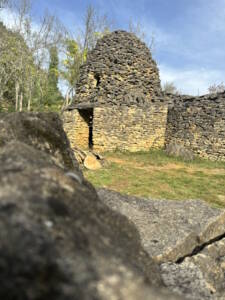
(53, 72)
(72, 62)
(24, 82)
(53, 97)
(17, 68)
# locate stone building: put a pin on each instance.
(198, 124)
(118, 103)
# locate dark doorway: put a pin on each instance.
(98, 79)
(87, 116)
(90, 125)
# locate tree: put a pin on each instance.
(95, 26)
(53, 95)
(138, 30)
(10, 60)
(53, 72)
(71, 68)
(216, 88)
(170, 88)
(3, 3)
(26, 54)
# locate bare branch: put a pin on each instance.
(3, 3)
(216, 88)
(138, 29)
(170, 88)
(94, 26)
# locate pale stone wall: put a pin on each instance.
(198, 123)
(129, 128)
(76, 128)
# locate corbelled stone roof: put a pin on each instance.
(120, 69)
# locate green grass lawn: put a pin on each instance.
(154, 174)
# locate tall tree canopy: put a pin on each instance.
(53, 96)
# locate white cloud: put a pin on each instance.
(7, 17)
(192, 82)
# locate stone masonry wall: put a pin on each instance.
(76, 129)
(198, 123)
(120, 69)
(129, 128)
(120, 83)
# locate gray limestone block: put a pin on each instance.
(186, 237)
(201, 276)
(169, 230)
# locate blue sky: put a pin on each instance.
(189, 34)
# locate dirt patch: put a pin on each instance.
(221, 198)
(167, 167)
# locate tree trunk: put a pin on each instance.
(17, 95)
(1, 98)
(67, 97)
(21, 102)
(67, 100)
(29, 100)
(29, 103)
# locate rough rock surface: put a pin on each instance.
(186, 237)
(119, 70)
(58, 240)
(169, 230)
(201, 276)
(178, 150)
(43, 131)
(198, 124)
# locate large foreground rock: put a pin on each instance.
(186, 237)
(42, 131)
(58, 240)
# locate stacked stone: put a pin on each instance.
(129, 128)
(198, 123)
(120, 70)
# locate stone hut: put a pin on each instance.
(118, 103)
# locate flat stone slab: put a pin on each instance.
(92, 163)
(201, 276)
(169, 230)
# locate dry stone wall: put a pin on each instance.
(129, 128)
(118, 127)
(198, 123)
(119, 70)
(75, 124)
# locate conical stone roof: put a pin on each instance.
(119, 70)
